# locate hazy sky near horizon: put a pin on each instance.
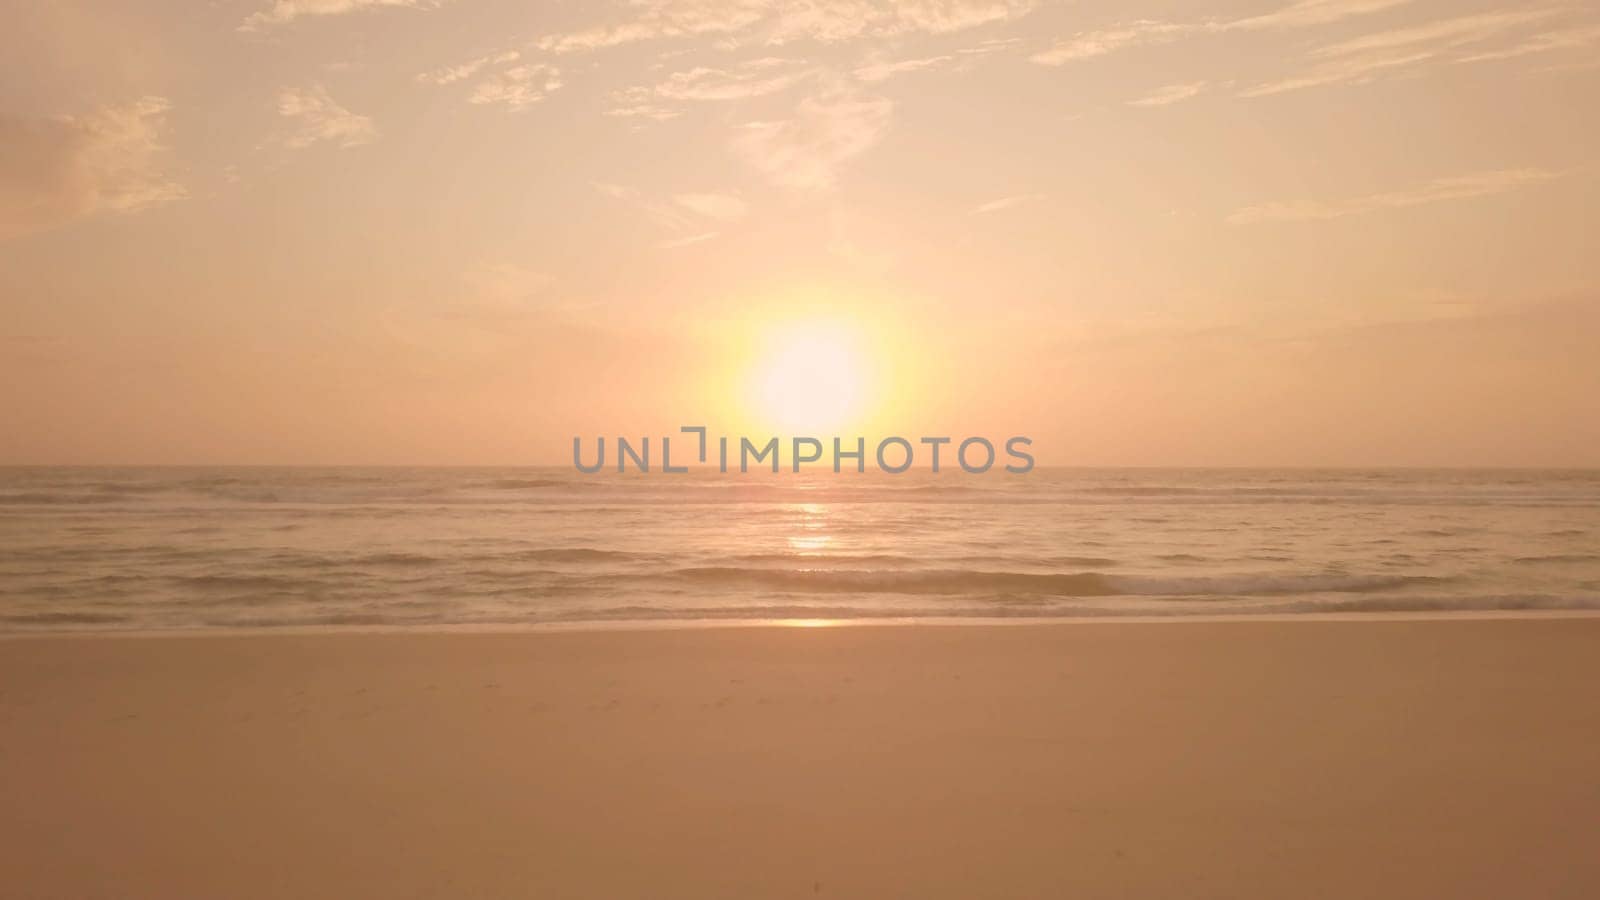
(1254, 232)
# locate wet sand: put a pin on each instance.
(1242, 759)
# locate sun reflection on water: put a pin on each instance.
(812, 519)
(808, 623)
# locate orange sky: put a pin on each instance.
(1328, 232)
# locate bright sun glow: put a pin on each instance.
(809, 380)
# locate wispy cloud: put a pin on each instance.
(1089, 44)
(60, 168)
(1437, 35)
(318, 118)
(990, 45)
(806, 150)
(453, 74)
(1003, 203)
(517, 87)
(626, 107)
(284, 11)
(778, 22)
(724, 207)
(878, 67)
(656, 20)
(1363, 59)
(500, 79)
(879, 71)
(753, 78)
(1147, 32)
(667, 98)
(1480, 184)
(1308, 13)
(1172, 93)
(1549, 41)
(945, 16)
(1355, 70)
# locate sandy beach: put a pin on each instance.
(1244, 759)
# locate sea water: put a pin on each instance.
(163, 548)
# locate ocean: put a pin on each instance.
(196, 548)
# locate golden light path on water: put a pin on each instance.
(809, 623)
(812, 522)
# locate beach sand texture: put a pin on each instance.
(1196, 759)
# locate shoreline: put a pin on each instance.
(703, 624)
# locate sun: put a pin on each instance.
(810, 379)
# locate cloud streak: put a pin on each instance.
(453, 74)
(284, 11)
(881, 71)
(1546, 42)
(1356, 70)
(60, 168)
(517, 87)
(806, 151)
(1090, 44)
(1437, 35)
(500, 79)
(723, 207)
(1172, 93)
(1309, 13)
(318, 118)
(779, 22)
(1371, 56)
(1148, 32)
(668, 98)
(1481, 184)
